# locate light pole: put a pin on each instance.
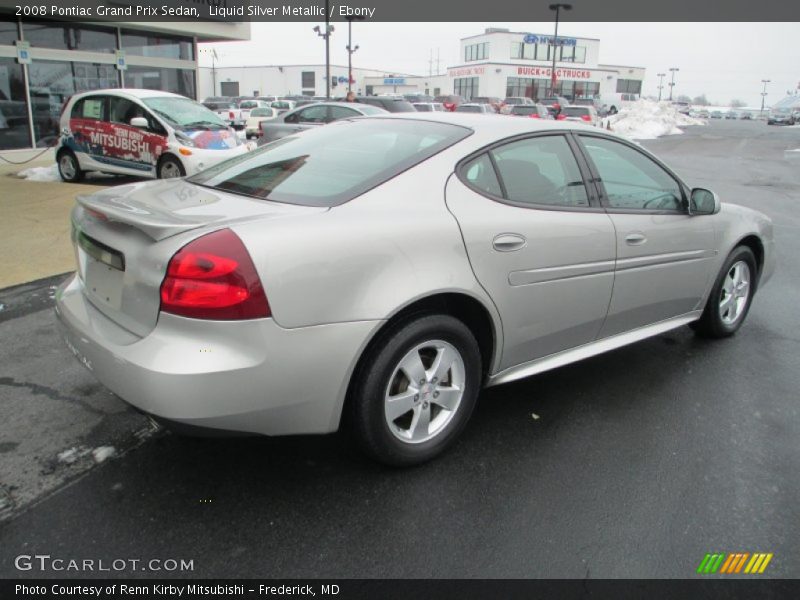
(557, 8)
(672, 70)
(327, 37)
(763, 95)
(351, 50)
(660, 84)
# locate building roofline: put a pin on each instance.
(469, 37)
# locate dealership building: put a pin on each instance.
(497, 63)
(43, 63)
(502, 63)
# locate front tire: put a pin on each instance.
(170, 167)
(416, 391)
(68, 167)
(731, 297)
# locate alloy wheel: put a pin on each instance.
(735, 293)
(424, 391)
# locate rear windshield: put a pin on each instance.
(330, 165)
(468, 108)
(522, 109)
(575, 111)
(423, 107)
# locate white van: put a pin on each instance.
(148, 133)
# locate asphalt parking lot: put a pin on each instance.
(635, 463)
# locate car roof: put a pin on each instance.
(494, 125)
(133, 93)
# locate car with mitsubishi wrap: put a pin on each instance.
(145, 133)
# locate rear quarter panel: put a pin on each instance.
(368, 258)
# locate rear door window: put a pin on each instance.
(541, 170)
(92, 107)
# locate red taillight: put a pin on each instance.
(231, 115)
(586, 117)
(561, 117)
(450, 105)
(535, 116)
(557, 106)
(213, 277)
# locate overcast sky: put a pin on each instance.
(722, 60)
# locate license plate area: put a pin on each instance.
(102, 270)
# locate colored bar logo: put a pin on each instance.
(734, 563)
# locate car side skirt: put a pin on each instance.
(559, 359)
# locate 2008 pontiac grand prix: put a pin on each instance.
(383, 270)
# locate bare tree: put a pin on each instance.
(701, 100)
(735, 103)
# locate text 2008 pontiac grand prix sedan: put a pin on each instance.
(383, 270)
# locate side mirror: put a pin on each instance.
(140, 122)
(704, 202)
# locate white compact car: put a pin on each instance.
(148, 133)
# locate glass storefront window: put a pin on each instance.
(177, 81)
(69, 36)
(8, 31)
(157, 45)
(14, 131)
(52, 82)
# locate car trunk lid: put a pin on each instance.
(124, 237)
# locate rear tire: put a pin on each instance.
(404, 410)
(731, 297)
(68, 167)
(170, 167)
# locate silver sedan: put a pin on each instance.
(383, 270)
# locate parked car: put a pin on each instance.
(147, 133)
(380, 272)
(534, 111)
(245, 106)
(283, 106)
(311, 116)
(617, 101)
(475, 107)
(781, 115)
(597, 103)
(387, 103)
(493, 101)
(511, 101)
(429, 106)
(731, 114)
(580, 114)
(716, 114)
(418, 98)
(682, 107)
(228, 110)
(746, 116)
(450, 101)
(703, 114)
(257, 116)
(554, 104)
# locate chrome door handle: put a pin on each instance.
(635, 239)
(508, 242)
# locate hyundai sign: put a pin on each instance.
(532, 38)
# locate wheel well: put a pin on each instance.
(754, 243)
(465, 308)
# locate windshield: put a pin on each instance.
(332, 164)
(249, 104)
(261, 112)
(524, 110)
(368, 109)
(183, 113)
(468, 108)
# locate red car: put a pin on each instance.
(450, 102)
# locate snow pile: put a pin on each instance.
(647, 120)
(40, 173)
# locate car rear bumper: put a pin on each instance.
(240, 376)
